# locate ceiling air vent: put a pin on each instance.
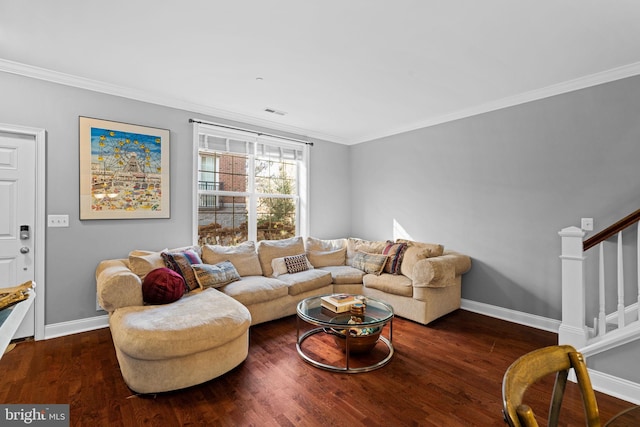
(273, 111)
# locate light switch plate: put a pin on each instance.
(58, 221)
(587, 224)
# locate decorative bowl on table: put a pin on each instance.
(361, 339)
(357, 343)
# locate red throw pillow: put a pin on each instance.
(162, 286)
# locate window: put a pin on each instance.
(208, 182)
(248, 187)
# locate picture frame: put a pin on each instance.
(124, 170)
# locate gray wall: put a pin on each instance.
(73, 253)
(499, 186)
(330, 203)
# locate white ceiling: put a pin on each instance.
(343, 70)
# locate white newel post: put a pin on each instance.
(572, 329)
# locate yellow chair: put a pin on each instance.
(536, 365)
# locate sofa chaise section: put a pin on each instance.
(163, 348)
(171, 346)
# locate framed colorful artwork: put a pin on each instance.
(124, 170)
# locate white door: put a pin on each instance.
(18, 198)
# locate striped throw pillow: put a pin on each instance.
(180, 262)
(395, 251)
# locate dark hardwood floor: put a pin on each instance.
(448, 373)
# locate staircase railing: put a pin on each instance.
(606, 328)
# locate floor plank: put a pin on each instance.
(448, 373)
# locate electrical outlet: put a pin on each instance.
(587, 224)
(58, 221)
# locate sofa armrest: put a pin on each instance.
(441, 271)
(461, 263)
(117, 285)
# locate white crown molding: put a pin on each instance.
(522, 98)
(144, 96)
(110, 89)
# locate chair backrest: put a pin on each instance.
(536, 365)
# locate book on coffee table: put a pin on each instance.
(338, 303)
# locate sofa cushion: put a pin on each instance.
(327, 258)
(369, 263)
(278, 266)
(355, 245)
(323, 253)
(255, 289)
(395, 251)
(344, 274)
(270, 249)
(143, 332)
(389, 283)
(243, 257)
(142, 262)
(306, 281)
(215, 275)
(181, 262)
(314, 244)
(162, 286)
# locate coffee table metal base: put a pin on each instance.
(347, 368)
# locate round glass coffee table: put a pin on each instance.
(377, 314)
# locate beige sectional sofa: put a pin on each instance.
(205, 333)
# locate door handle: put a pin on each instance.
(24, 250)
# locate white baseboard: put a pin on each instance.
(616, 387)
(513, 316)
(602, 382)
(75, 326)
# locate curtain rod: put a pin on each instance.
(251, 131)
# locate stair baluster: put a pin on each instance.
(602, 314)
(621, 321)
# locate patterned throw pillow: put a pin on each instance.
(395, 251)
(216, 275)
(142, 262)
(181, 262)
(296, 263)
(162, 286)
(369, 263)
